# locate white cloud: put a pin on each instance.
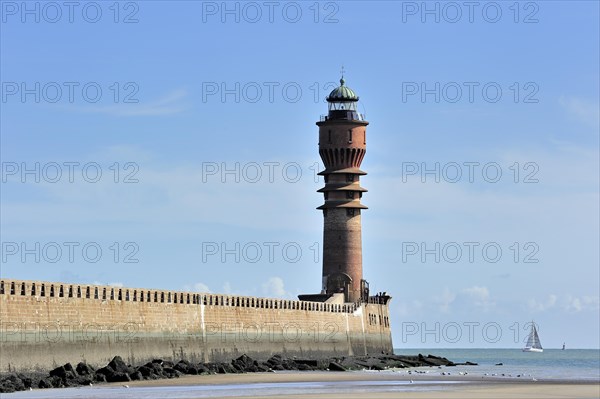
(197, 287)
(578, 304)
(568, 303)
(478, 293)
(540, 306)
(274, 287)
(479, 296)
(227, 288)
(574, 304)
(201, 287)
(445, 300)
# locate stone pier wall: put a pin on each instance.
(43, 324)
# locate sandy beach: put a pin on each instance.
(400, 385)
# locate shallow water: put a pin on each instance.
(231, 390)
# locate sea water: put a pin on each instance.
(552, 364)
(555, 364)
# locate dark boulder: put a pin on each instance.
(157, 368)
(84, 369)
(105, 371)
(262, 368)
(171, 372)
(466, 364)
(146, 371)
(82, 380)
(27, 381)
(308, 362)
(275, 360)
(333, 366)
(289, 364)
(136, 376)
(202, 369)
(11, 383)
(65, 372)
(115, 371)
(57, 382)
(230, 369)
(244, 363)
(431, 360)
(119, 366)
(183, 366)
(45, 383)
(353, 363)
(118, 376)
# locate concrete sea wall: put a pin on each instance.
(43, 324)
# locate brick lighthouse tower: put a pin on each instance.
(342, 147)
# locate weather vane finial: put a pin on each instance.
(342, 81)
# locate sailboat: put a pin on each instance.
(533, 341)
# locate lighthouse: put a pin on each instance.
(342, 147)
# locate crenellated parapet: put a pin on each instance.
(45, 289)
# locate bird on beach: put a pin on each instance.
(125, 386)
(411, 381)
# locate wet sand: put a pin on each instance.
(400, 385)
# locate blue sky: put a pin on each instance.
(191, 89)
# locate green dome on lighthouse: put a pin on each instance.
(342, 93)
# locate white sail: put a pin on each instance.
(533, 341)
